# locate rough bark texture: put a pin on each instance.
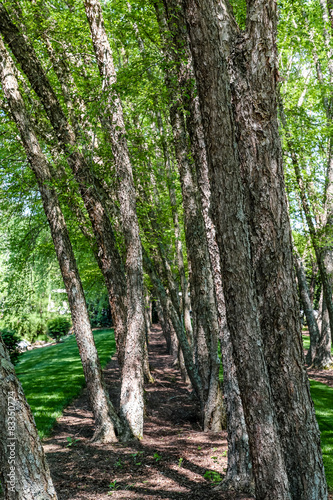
(104, 414)
(239, 474)
(308, 309)
(90, 189)
(204, 312)
(23, 466)
(257, 320)
(131, 399)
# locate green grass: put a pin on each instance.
(52, 376)
(306, 343)
(322, 396)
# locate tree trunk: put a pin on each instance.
(254, 99)
(323, 356)
(104, 413)
(204, 312)
(131, 399)
(308, 310)
(90, 189)
(23, 467)
(278, 408)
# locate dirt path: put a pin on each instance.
(170, 461)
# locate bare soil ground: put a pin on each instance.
(168, 464)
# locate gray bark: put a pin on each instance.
(24, 472)
(91, 192)
(104, 414)
(131, 399)
(252, 278)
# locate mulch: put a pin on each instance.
(170, 461)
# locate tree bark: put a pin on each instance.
(280, 407)
(204, 312)
(23, 466)
(89, 187)
(308, 310)
(106, 419)
(131, 399)
(239, 474)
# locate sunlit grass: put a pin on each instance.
(52, 376)
(322, 396)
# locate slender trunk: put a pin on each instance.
(104, 414)
(204, 312)
(23, 466)
(323, 356)
(308, 310)
(131, 399)
(89, 187)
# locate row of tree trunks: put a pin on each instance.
(132, 402)
(106, 419)
(250, 213)
(204, 312)
(91, 192)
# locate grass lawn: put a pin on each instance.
(52, 376)
(322, 396)
(306, 342)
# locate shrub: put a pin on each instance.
(58, 327)
(11, 339)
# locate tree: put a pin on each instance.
(22, 459)
(253, 235)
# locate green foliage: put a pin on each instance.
(58, 327)
(52, 376)
(213, 476)
(11, 339)
(71, 441)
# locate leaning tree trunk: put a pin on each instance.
(91, 191)
(104, 414)
(24, 472)
(131, 399)
(308, 309)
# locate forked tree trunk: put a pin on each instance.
(91, 191)
(24, 472)
(260, 255)
(106, 419)
(131, 398)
